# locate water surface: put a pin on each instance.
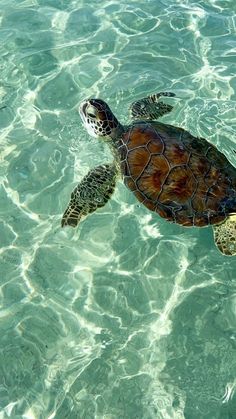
(127, 316)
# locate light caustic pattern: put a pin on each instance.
(127, 316)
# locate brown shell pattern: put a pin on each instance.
(184, 179)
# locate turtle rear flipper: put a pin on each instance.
(225, 236)
(149, 108)
(91, 193)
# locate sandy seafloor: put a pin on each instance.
(127, 316)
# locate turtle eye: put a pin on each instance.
(91, 115)
(91, 112)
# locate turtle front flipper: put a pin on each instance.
(150, 108)
(225, 236)
(91, 193)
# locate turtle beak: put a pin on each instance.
(89, 125)
(82, 108)
(82, 112)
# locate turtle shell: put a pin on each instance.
(183, 178)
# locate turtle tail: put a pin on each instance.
(225, 236)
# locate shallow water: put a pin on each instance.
(127, 316)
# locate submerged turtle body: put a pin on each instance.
(184, 179)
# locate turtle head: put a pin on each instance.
(98, 119)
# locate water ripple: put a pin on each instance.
(128, 315)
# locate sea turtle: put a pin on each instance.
(184, 179)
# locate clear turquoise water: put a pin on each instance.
(128, 316)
